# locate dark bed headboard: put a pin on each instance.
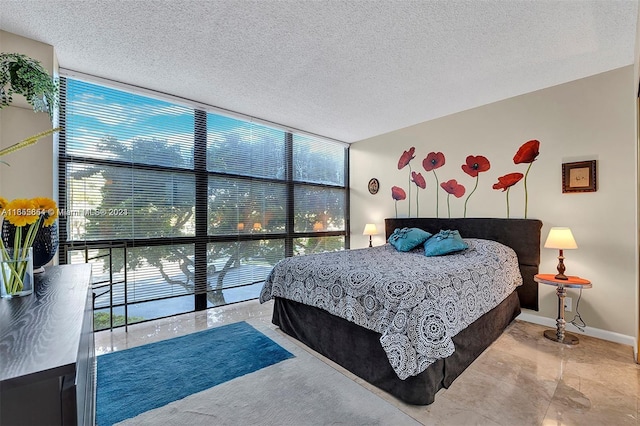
(522, 235)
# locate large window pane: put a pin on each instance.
(241, 206)
(318, 161)
(312, 245)
(236, 270)
(108, 283)
(160, 272)
(108, 202)
(159, 281)
(131, 180)
(244, 148)
(101, 122)
(318, 209)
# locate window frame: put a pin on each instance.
(201, 239)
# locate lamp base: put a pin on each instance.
(561, 268)
(568, 338)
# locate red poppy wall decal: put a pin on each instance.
(406, 157)
(452, 187)
(506, 182)
(475, 164)
(418, 179)
(404, 161)
(527, 153)
(433, 161)
(397, 194)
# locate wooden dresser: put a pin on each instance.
(47, 353)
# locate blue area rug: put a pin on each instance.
(140, 379)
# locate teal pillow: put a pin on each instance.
(444, 242)
(406, 239)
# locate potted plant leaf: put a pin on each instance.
(20, 74)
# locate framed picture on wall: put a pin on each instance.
(579, 176)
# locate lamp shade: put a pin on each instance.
(560, 238)
(370, 229)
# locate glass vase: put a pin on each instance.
(45, 244)
(16, 273)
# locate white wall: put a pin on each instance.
(31, 171)
(591, 118)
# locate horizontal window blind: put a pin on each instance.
(116, 202)
(242, 206)
(201, 205)
(239, 263)
(312, 245)
(319, 209)
(316, 161)
(103, 123)
(244, 148)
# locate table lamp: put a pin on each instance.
(561, 239)
(370, 229)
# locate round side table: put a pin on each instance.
(559, 334)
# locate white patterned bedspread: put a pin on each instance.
(417, 303)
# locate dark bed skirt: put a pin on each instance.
(359, 351)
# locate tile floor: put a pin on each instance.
(521, 379)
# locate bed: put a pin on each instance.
(368, 351)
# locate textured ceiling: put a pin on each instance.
(347, 70)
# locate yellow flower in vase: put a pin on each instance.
(21, 212)
(47, 208)
(27, 216)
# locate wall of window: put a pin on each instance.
(183, 208)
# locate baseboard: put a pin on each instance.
(588, 331)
